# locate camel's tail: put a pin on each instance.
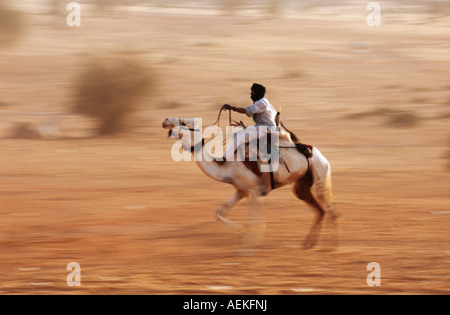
(305, 149)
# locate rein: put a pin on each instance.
(306, 150)
(231, 122)
(217, 122)
(195, 147)
(183, 126)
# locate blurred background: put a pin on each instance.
(87, 174)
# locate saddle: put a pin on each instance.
(267, 178)
(305, 149)
(255, 166)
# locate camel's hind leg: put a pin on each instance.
(302, 189)
(315, 189)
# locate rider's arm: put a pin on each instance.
(258, 107)
(239, 110)
(233, 108)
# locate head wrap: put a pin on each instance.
(259, 92)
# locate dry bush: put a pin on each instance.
(376, 112)
(110, 90)
(103, 5)
(448, 157)
(231, 7)
(394, 118)
(439, 8)
(11, 25)
(403, 119)
(24, 131)
(274, 7)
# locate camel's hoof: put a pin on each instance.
(230, 224)
(334, 218)
(307, 246)
(309, 243)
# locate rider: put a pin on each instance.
(263, 115)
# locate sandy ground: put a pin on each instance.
(139, 223)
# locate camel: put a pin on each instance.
(311, 178)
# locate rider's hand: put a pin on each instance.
(228, 107)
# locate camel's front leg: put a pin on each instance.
(255, 233)
(223, 210)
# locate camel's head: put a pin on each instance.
(173, 122)
(176, 126)
(186, 129)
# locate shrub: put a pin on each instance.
(110, 90)
(231, 7)
(11, 25)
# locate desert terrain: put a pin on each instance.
(374, 100)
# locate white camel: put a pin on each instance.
(311, 178)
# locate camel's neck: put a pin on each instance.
(213, 170)
(208, 165)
